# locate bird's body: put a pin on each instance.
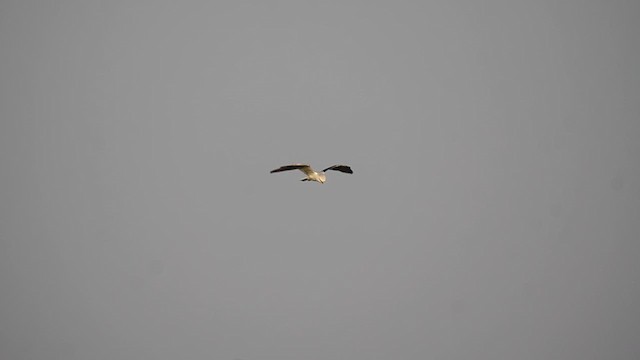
(311, 174)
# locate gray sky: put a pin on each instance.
(493, 214)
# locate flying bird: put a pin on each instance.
(313, 175)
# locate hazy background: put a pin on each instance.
(494, 212)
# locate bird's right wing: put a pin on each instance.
(302, 167)
(341, 168)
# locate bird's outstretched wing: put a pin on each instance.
(342, 168)
(302, 167)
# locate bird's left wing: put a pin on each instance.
(302, 167)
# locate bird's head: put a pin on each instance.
(322, 178)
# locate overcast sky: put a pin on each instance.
(493, 213)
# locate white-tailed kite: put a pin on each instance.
(313, 175)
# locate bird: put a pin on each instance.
(313, 175)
